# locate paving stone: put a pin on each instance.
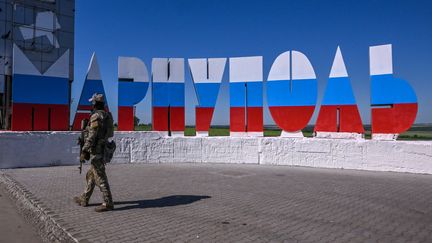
(237, 203)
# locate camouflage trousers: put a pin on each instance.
(96, 176)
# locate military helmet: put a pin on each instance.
(97, 98)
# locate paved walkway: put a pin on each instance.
(238, 203)
(13, 227)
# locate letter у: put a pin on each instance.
(207, 77)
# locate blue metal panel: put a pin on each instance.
(254, 94)
(299, 93)
(91, 87)
(177, 94)
(386, 89)
(160, 95)
(207, 94)
(339, 92)
(168, 94)
(40, 90)
(237, 94)
(131, 93)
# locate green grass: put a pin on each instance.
(417, 132)
(416, 135)
(143, 127)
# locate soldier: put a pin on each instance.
(99, 129)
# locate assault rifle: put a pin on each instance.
(81, 140)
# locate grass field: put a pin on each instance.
(417, 132)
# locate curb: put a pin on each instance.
(33, 210)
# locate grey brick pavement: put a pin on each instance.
(238, 203)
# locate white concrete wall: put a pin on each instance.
(29, 149)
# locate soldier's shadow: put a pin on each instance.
(169, 201)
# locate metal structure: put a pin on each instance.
(292, 91)
(168, 95)
(92, 84)
(36, 73)
(246, 96)
(339, 111)
(393, 100)
(207, 77)
(43, 30)
(133, 84)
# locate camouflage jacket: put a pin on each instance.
(95, 140)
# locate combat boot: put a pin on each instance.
(80, 201)
(104, 207)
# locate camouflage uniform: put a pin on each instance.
(97, 148)
(94, 144)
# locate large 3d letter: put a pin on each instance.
(397, 97)
(132, 88)
(246, 96)
(292, 95)
(92, 84)
(207, 77)
(168, 95)
(339, 112)
(40, 101)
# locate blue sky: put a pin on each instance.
(233, 28)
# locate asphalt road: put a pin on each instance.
(13, 227)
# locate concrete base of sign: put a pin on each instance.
(247, 134)
(298, 134)
(339, 135)
(30, 149)
(385, 136)
(202, 133)
(177, 134)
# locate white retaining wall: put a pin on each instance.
(30, 149)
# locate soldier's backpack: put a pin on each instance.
(110, 146)
(109, 125)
